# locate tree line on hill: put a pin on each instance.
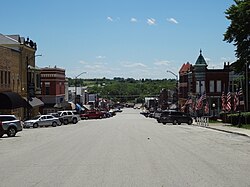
(125, 90)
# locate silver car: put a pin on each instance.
(9, 125)
(42, 120)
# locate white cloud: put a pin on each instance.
(83, 62)
(133, 20)
(172, 20)
(162, 63)
(132, 65)
(110, 19)
(151, 21)
(101, 57)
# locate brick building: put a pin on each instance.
(53, 89)
(197, 79)
(19, 78)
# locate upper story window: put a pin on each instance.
(218, 85)
(211, 86)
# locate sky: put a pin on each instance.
(121, 38)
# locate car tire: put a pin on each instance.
(65, 122)
(175, 122)
(35, 125)
(11, 132)
(164, 123)
(1, 135)
(54, 124)
(179, 123)
(100, 117)
(190, 122)
(74, 121)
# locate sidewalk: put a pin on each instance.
(224, 127)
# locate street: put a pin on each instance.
(125, 150)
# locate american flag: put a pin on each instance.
(237, 98)
(188, 101)
(223, 101)
(206, 108)
(228, 106)
(200, 101)
(240, 92)
(236, 101)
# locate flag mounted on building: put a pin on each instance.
(206, 108)
(228, 105)
(223, 101)
(199, 102)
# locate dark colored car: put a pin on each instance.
(175, 117)
(10, 125)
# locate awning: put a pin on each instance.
(64, 105)
(35, 102)
(11, 100)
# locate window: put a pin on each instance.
(5, 77)
(211, 85)
(197, 86)
(47, 88)
(1, 77)
(218, 86)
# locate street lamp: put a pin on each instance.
(28, 82)
(176, 86)
(75, 83)
(213, 106)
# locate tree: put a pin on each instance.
(238, 31)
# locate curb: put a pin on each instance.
(223, 130)
(232, 132)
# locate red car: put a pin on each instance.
(92, 114)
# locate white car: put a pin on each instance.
(42, 120)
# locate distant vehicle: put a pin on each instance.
(68, 116)
(42, 120)
(174, 117)
(10, 125)
(92, 114)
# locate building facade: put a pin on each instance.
(53, 89)
(19, 77)
(197, 80)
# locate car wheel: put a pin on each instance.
(179, 123)
(11, 132)
(74, 121)
(35, 125)
(164, 123)
(54, 124)
(65, 122)
(100, 117)
(175, 122)
(189, 122)
(1, 135)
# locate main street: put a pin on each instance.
(126, 150)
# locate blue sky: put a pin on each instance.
(114, 38)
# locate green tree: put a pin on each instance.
(238, 31)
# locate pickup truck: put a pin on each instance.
(68, 116)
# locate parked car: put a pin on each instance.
(10, 125)
(42, 120)
(68, 116)
(92, 114)
(175, 117)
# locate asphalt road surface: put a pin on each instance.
(126, 150)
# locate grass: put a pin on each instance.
(245, 126)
